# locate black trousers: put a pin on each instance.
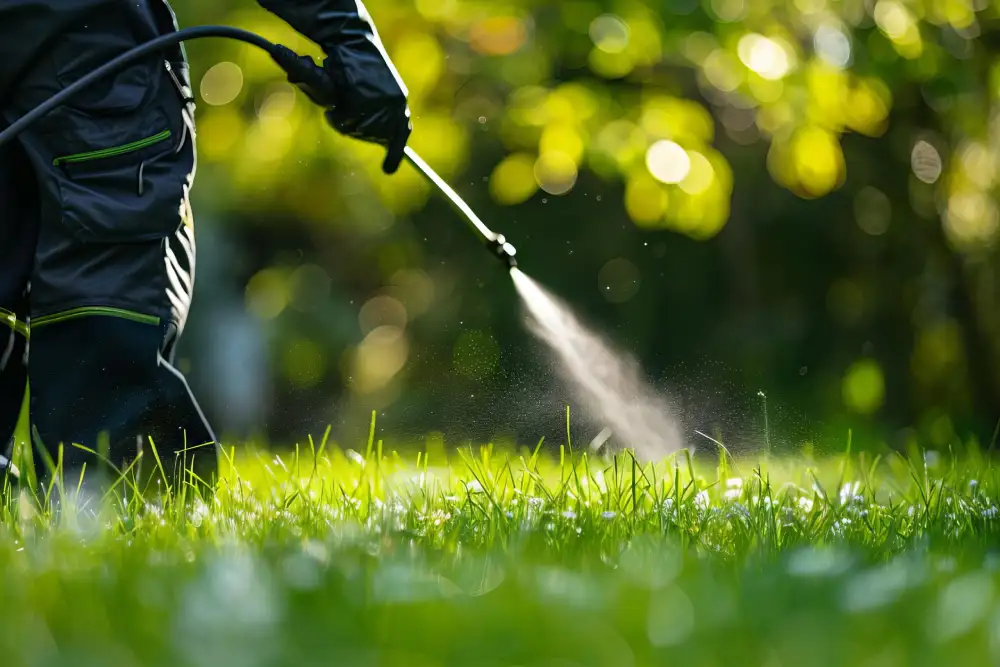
(97, 244)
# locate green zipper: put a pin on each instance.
(112, 152)
(10, 319)
(94, 310)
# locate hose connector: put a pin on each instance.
(504, 250)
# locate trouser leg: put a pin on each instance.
(119, 393)
(113, 275)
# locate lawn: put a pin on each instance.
(328, 556)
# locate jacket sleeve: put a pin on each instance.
(347, 34)
(327, 22)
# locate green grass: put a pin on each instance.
(484, 557)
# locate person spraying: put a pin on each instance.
(97, 232)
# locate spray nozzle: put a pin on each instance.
(504, 250)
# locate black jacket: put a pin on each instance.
(28, 26)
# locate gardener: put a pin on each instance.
(97, 242)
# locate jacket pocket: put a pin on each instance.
(119, 156)
(123, 194)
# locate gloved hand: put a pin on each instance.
(362, 92)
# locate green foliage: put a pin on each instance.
(499, 558)
(788, 188)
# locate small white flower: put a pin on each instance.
(732, 494)
(701, 499)
(973, 483)
(990, 512)
(849, 491)
(474, 486)
(608, 515)
(734, 483)
(569, 514)
(806, 504)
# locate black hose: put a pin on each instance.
(302, 71)
(281, 54)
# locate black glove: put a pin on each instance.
(358, 85)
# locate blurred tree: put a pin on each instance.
(800, 192)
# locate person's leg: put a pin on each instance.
(18, 234)
(113, 275)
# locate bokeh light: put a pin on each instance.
(222, 83)
(832, 45)
(864, 387)
(897, 23)
(872, 211)
(729, 11)
(668, 162)
(926, 162)
(646, 200)
(414, 288)
(555, 172)
(382, 311)
(764, 56)
(811, 163)
(972, 220)
(498, 35)
(513, 180)
(267, 294)
(700, 174)
(609, 33)
(379, 357)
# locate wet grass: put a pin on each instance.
(328, 556)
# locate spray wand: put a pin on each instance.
(301, 70)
